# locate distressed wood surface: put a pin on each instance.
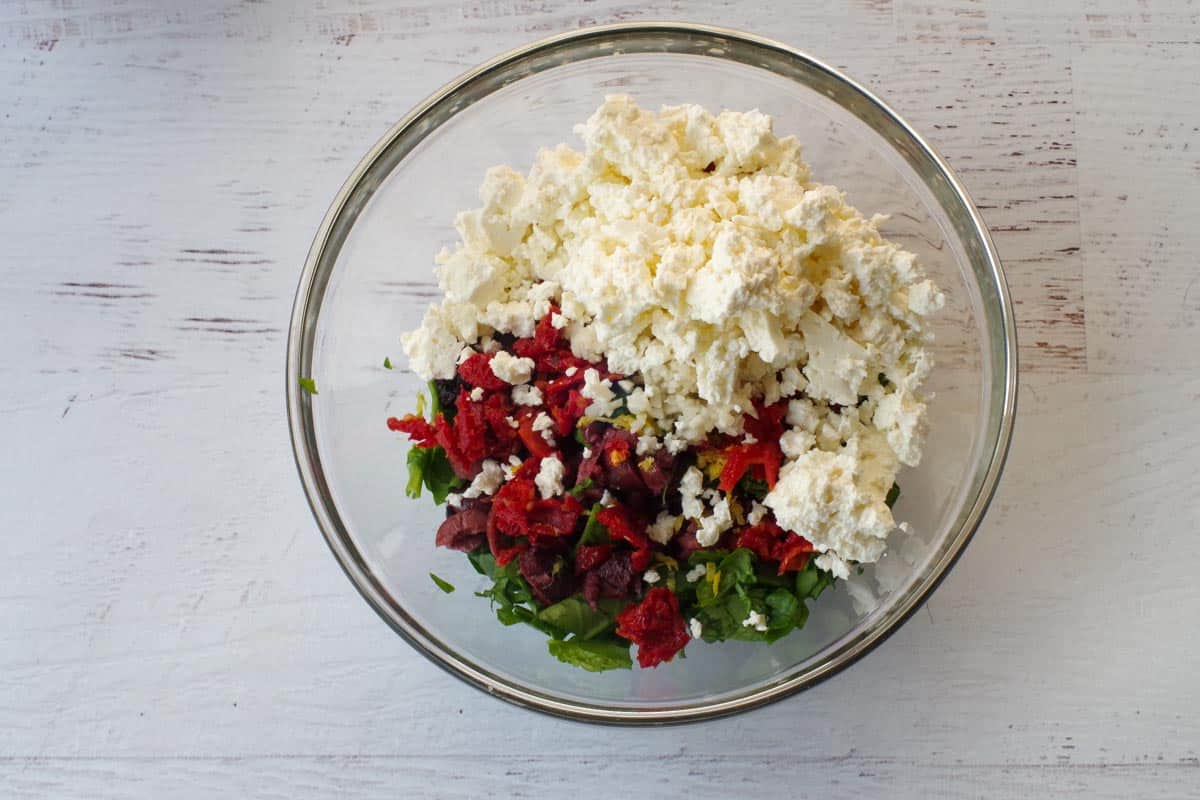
(171, 623)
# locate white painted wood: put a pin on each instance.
(170, 621)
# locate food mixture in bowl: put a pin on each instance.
(672, 382)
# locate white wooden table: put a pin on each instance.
(171, 623)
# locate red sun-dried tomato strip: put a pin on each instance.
(590, 556)
(532, 439)
(518, 511)
(477, 371)
(771, 543)
(420, 431)
(739, 458)
(622, 526)
(655, 626)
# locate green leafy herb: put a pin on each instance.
(574, 616)
(893, 495)
(724, 577)
(309, 385)
(594, 656)
(581, 487)
(811, 581)
(387, 363)
(483, 562)
(442, 584)
(752, 487)
(435, 402)
(593, 531)
(418, 460)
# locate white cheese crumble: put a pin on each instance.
(716, 523)
(696, 628)
(690, 488)
(651, 576)
(477, 394)
(549, 480)
(599, 391)
(756, 620)
(510, 469)
(757, 512)
(510, 368)
(662, 530)
(490, 476)
(694, 252)
(526, 395)
(544, 425)
(695, 573)
(647, 445)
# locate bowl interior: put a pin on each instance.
(381, 280)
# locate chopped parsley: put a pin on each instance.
(309, 385)
(442, 584)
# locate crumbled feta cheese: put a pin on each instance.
(512, 422)
(626, 385)
(599, 391)
(543, 424)
(647, 445)
(749, 438)
(696, 628)
(695, 573)
(836, 500)
(607, 499)
(757, 512)
(756, 620)
(510, 469)
(674, 444)
(490, 476)
(454, 500)
(587, 452)
(662, 530)
(690, 488)
(477, 394)
(510, 368)
(716, 523)
(527, 395)
(714, 287)
(433, 348)
(652, 576)
(549, 480)
(570, 371)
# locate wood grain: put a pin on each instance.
(170, 621)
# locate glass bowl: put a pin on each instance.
(369, 276)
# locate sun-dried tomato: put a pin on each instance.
(504, 548)
(518, 511)
(794, 553)
(477, 371)
(420, 431)
(771, 543)
(566, 410)
(532, 439)
(622, 526)
(766, 427)
(590, 556)
(655, 626)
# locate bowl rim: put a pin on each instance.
(307, 459)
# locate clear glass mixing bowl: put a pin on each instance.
(369, 276)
